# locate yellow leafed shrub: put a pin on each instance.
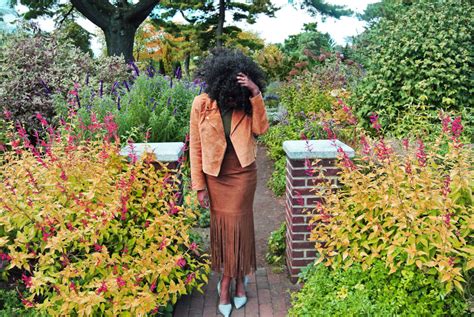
(90, 232)
(414, 209)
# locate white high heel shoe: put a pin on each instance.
(240, 301)
(224, 309)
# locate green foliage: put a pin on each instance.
(384, 9)
(11, 305)
(310, 39)
(373, 292)
(410, 210)
(90, 232)
(277, 181)
(72, 31)
(277, 246)
(155, 104)
(37, 68)
(321, 7)
(419, 57)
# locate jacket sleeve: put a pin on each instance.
(259, 115)
(198, 181)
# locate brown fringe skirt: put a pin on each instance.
(231, 196)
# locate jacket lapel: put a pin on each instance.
(237, 117)
(212, 116)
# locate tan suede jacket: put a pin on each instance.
(207, 139)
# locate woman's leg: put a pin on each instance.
(225, 290)
(239, 286)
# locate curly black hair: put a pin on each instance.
(219, 71)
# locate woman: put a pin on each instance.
(224, 122)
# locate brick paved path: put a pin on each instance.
(268, 296)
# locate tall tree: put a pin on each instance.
(384, 9)
(208, 17)
(119, 19)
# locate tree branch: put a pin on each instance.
(68, 13)
(140, 11)
(97, 11)
(191, 21)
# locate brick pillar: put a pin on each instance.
(167, 153)
(301, 199)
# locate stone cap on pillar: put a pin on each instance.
(164, 151)
(315, 149)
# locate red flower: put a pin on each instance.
(365, 145)
(181, 262)
(346, 161)
(120, 282)
(190, 278)
(162, 244)
(153, 287)
(383, 151)
(26, 280)
(193, 246)
(97, 247)
(72, 286)
(102, 288)
(374, 119)
(421, 154)
(456, 127)
(446, 188)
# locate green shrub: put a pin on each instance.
(36, 68)
(11, 305)
(277, 246)
(90, 232)
(419, 61)
(153, 105)
(373, 292)
(277, 181)
(409, 209)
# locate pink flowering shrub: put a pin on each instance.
(92, 232)
(407, 210)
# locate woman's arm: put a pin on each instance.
(198, 181)
(259, 113)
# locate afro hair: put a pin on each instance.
(219, 71)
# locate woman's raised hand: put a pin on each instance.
(203, 198)
(246, 82)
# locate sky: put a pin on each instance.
(288, 20)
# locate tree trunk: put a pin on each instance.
(119, 22)
(119, 38)
(187, 61)
(220, 23)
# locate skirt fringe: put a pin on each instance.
(233, 245)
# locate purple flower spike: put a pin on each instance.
(46, 88)
(101, 89)
(178, 73)
(200, 89)
(113, 88)
(125, 83)
(169, 101)
(78, 101)
(135, 68)
(118, 103)
(171, 82)
(175, 110)
(154, 106)
(87, 79)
